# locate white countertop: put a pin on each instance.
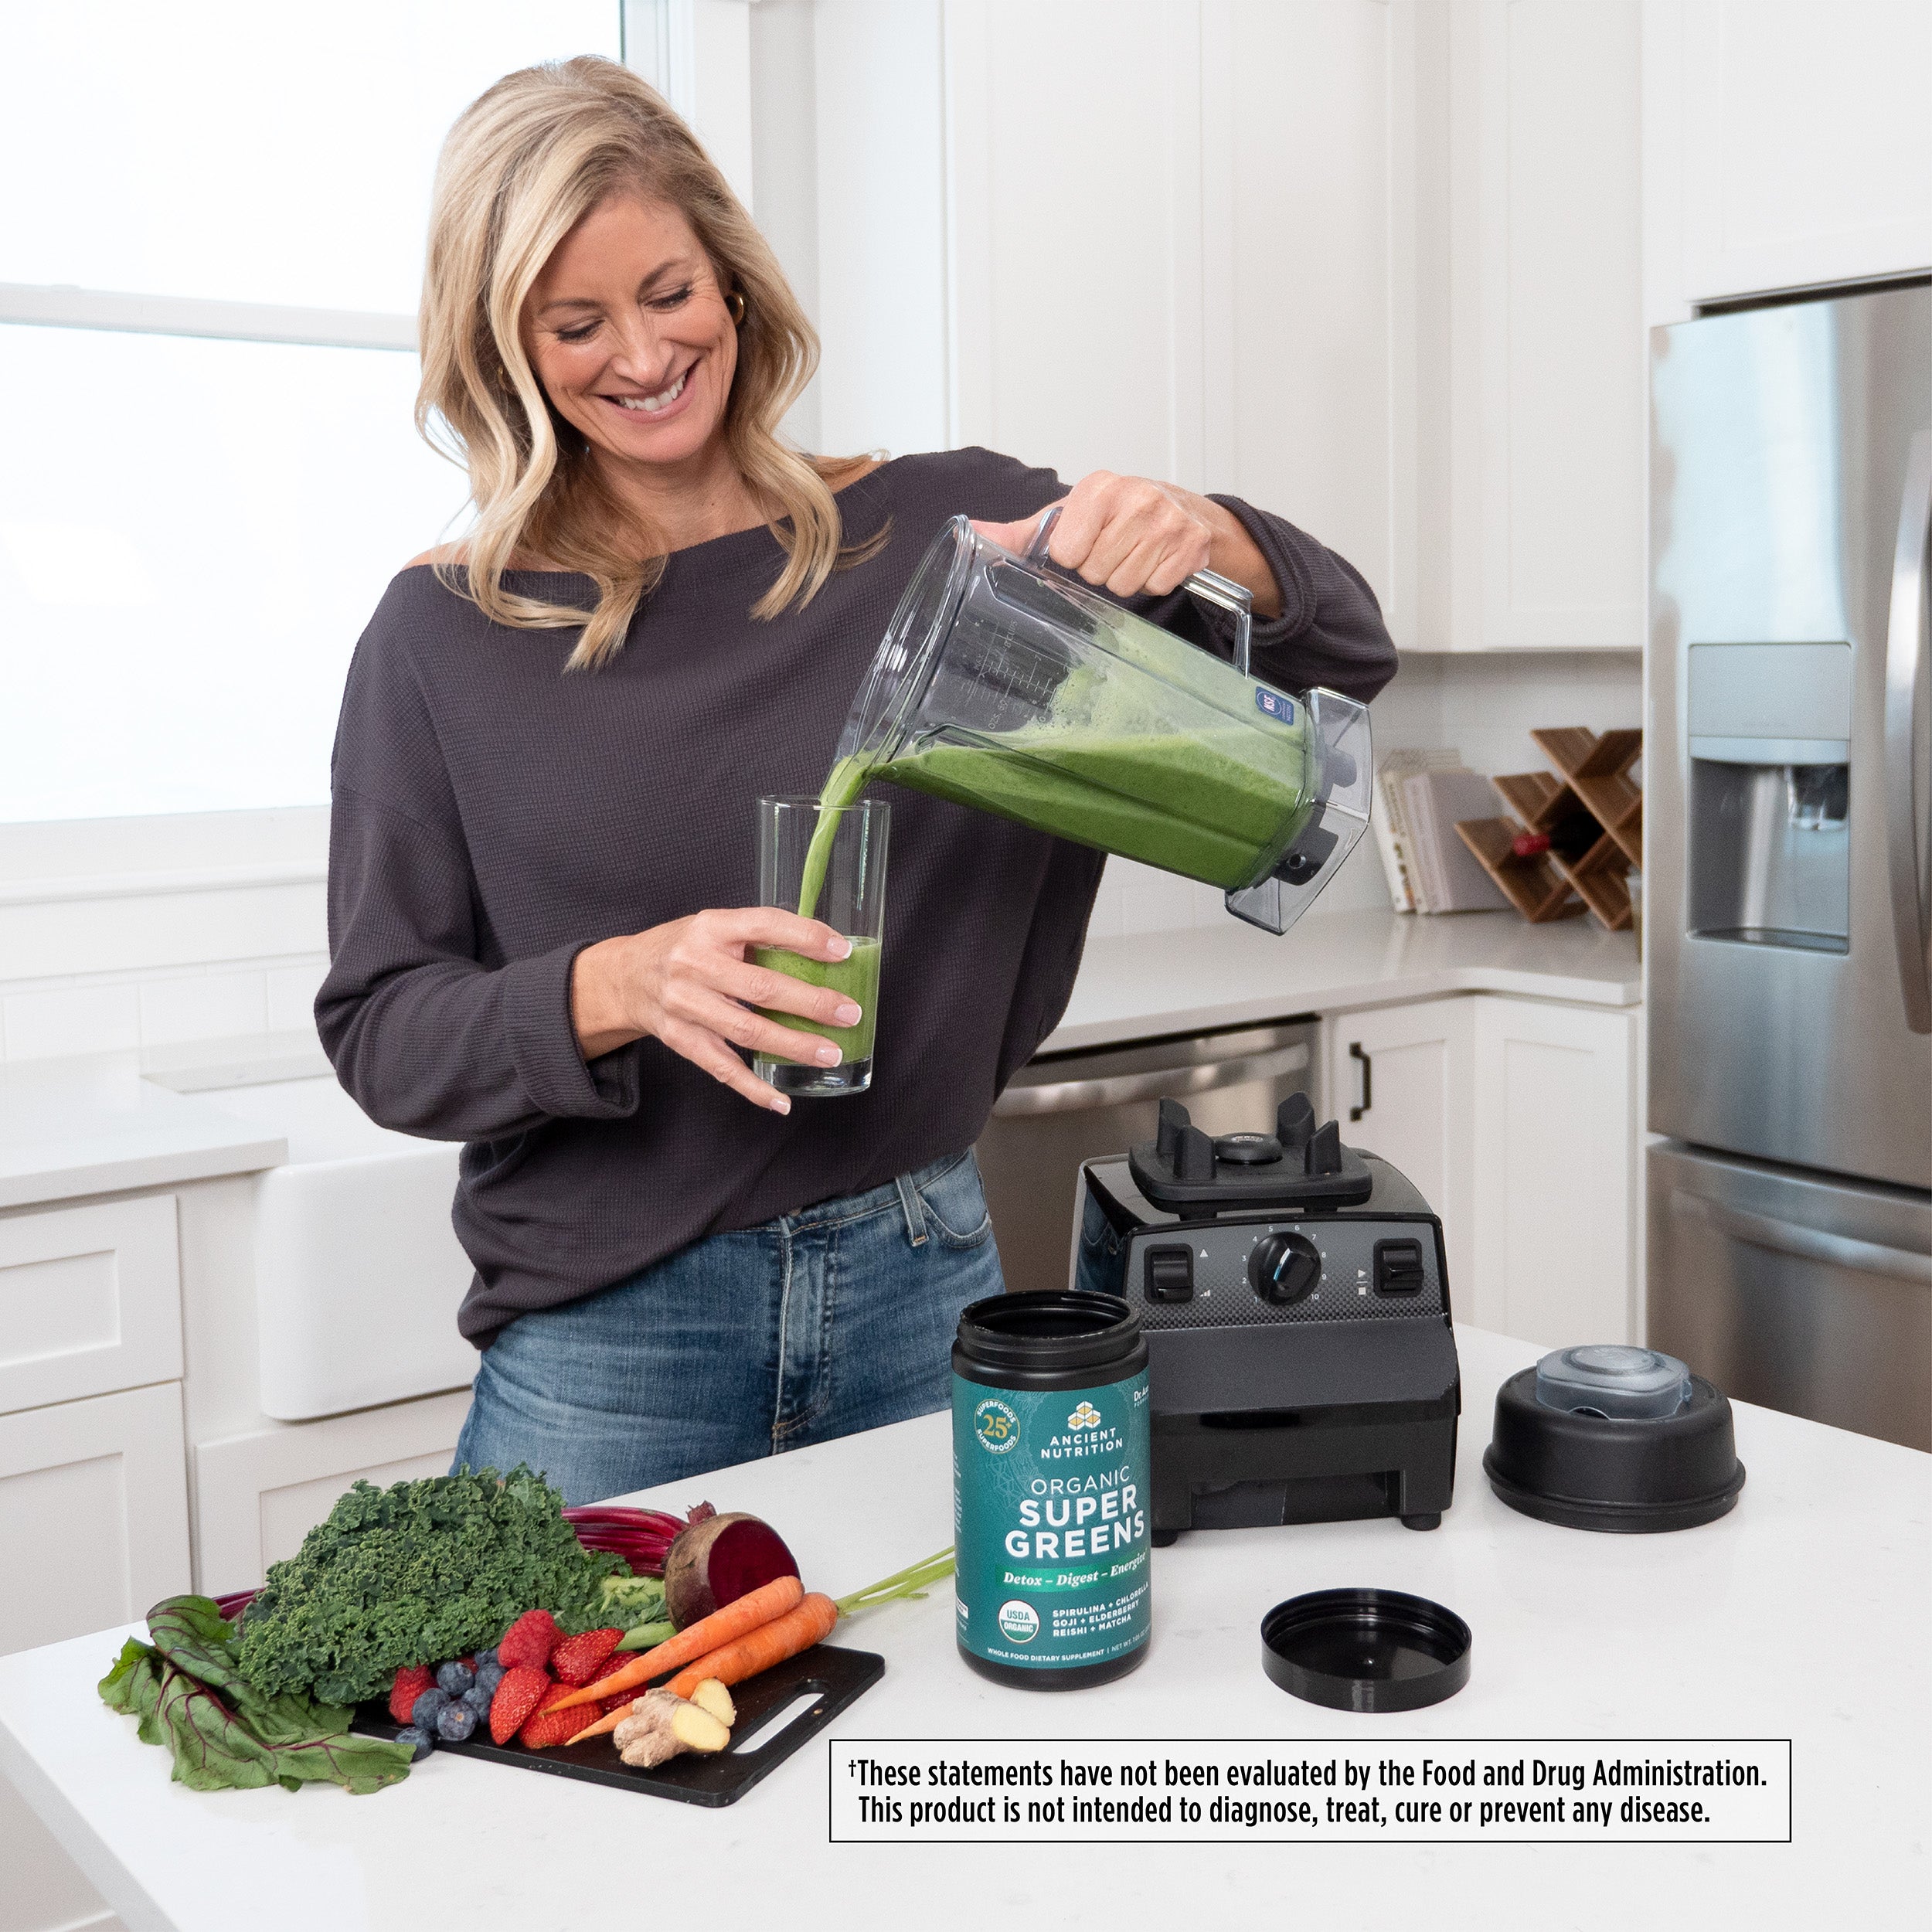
(1231, 974)
(114, 1121)
(93, 1125)
(1796, 1616)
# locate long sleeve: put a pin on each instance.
(427, 1026)
(427, 1038)
(1330, 631)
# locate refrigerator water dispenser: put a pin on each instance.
(1770, 742)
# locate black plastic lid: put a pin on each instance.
(1049, 1328)
(1365, 1650)
(1628, 1473)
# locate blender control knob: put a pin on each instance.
(1284, 1268)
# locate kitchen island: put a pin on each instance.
(1746, 1628)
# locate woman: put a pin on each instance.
(542, 871)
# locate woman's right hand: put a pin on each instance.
(689, 983)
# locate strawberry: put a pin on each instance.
(522, 1690)
(411, 1681)
(579, 1660)
(530, 1639)
(620, 1700)
(548, 1728)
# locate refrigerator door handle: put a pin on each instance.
(1808, 1244)
(1904, 667)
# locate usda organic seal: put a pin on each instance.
(1018, 1620)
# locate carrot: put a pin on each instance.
(811, 1622)
(608, 1721)
(723, 1626)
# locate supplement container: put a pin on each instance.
(1052, 1488)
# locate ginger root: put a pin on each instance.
(661, 1726)
(711, 1695)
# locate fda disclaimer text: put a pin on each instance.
(1557, 1791)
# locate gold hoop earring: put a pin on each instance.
(736, 303)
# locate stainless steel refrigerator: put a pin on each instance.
(1788, 887)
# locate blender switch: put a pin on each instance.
(1170, 1274)
(1398, 1267)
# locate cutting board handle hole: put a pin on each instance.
(775, 1724)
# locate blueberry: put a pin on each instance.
(486, 1657)
(487, 1677)
(454, 1723)
(421, 1742)
(455, 1678)
(476, 1701)
(428, 1708)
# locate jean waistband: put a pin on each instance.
(900, 1193)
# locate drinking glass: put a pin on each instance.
(826, 861)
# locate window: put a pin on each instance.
(208, 267)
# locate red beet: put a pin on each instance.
(719, 1559)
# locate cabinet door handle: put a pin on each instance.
(1367, 1079)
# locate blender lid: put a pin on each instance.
(1612, 1380)
(1365, 1650)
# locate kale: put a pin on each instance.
(416, 1574)
(186, 1690)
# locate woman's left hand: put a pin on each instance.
(1131, 535)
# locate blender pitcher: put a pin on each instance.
(1009, 684)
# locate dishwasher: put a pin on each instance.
(1064, 1108)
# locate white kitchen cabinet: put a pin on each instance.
(94, 1514)
(1181, 246)
(1517, 1119)
(257, 1494)
(45, 1890)
(1532, 442)
(90, 1300)
(1554, 1126)
(1401, 1081)
(1802, 139)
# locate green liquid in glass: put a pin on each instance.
(857, 977)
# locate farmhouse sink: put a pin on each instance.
(358, 1275)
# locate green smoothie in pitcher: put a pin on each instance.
(1195, 804)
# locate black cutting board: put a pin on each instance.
(835, 1677)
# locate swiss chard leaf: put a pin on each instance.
(238, 1741)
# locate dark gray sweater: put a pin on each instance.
(494, 816)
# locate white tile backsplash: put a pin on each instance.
(54, 1022)
(212, 1005)
(291, 994)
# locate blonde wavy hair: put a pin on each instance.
(524, 162)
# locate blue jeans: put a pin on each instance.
(837, 1318)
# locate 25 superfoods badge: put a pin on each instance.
(995, 1427)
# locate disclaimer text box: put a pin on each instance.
(1496, 1790)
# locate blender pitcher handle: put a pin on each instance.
(1209, 585)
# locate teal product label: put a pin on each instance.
(1274, 704)
(1052, 1498)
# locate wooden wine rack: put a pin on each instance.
(1593, 816)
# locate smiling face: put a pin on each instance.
(628, 330)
